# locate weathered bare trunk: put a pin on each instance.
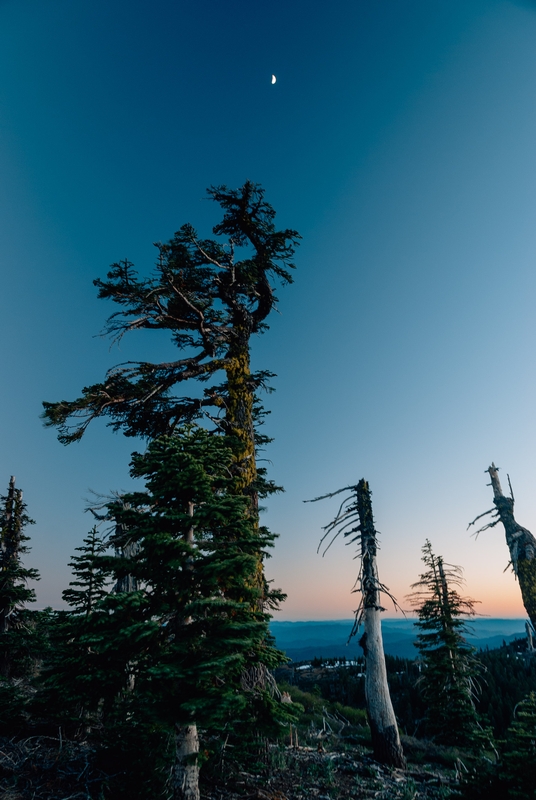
(382, 720)
(521, 544)
(186, 767)
(381, 717)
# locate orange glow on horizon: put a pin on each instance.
(502, 602)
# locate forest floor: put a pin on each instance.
(44, 768)
(292, 773)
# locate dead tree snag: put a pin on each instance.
(355, 517)
(521, 543)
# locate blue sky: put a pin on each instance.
(399, 140)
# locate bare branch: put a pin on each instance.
(489, 511)
(331, 494)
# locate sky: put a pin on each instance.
(399, 141)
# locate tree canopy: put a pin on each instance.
(211, 295)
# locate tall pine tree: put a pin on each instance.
(211, 296)
(15, 625)
(173, 654)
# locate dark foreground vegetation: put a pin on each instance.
(325, 752)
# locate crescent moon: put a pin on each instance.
(273, 79)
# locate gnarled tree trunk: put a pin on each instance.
(521, 544)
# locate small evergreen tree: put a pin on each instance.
(513, 775)
(63, 683)
(518, 769)
(450, 669)
(89, 585)
(15, 625)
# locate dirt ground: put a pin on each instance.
(45, 768)
(297, 774)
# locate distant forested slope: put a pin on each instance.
(508, 676)
(328, 639)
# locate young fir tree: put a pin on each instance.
(89, 585)
(512, 776)
(172, 655)
(65, 700)
(15, 618)
(518, 763)
(450, 669)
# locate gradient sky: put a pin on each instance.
(399, 140)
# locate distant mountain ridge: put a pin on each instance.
(303, 641)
